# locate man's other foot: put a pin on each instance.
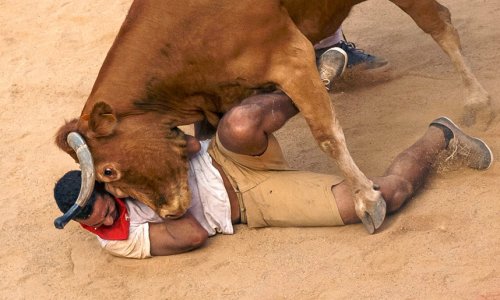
(331, 64)
(360, 60)
(475, 153)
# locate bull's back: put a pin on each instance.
(174, 49)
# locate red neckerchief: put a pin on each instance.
(120, 228)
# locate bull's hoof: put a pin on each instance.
(479, 114)
(480, 120)
(374, 219)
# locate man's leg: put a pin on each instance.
(245, 128)
(409, 170)
(269, 192)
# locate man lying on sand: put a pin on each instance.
(241, 176)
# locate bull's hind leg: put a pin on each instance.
(435, 19)
(295, 72)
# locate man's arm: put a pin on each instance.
(176, 236)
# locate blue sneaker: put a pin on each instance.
(358, 59)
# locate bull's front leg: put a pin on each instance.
(298, 77)
(369, 204)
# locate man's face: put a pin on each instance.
(104, 212)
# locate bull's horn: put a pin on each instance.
(77, 143)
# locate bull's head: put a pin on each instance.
(139, 155)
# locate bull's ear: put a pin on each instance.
(62, 135)
(102, 120)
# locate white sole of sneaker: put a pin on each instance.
(345, 57)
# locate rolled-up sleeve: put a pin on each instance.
(136, 246)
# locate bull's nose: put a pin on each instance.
(172, 213)
(174, 216)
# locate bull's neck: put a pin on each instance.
(144, 69)
(131, 65)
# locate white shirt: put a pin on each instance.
(209, 200)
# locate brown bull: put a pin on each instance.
(178, 62)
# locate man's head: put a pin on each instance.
(100, 209)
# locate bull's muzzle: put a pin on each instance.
(77, 143)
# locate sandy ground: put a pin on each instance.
(444, 244)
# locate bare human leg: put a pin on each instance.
(410, 169)
(244, 129)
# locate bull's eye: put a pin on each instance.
(108, 172)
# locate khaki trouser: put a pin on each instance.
(270, 193)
